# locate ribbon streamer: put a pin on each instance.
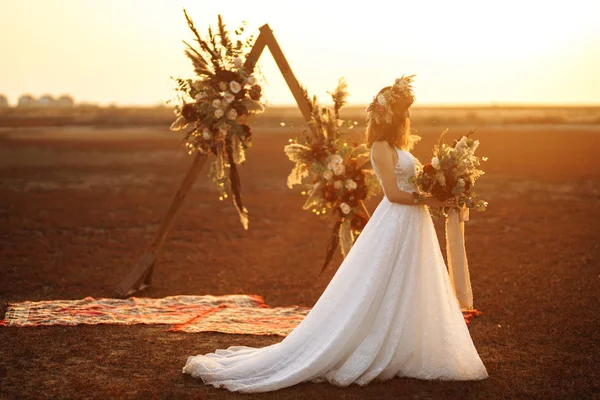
(346, 237)
(234, 181)
(334, 242)
(458, 267)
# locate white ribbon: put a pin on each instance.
(458, 267)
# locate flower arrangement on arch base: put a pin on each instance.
(338, 172)
(217, 105)
(452, 172)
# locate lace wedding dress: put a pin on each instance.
(388, 311)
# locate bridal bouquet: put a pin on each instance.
(216, 105)
(340, 178)
(453, 171)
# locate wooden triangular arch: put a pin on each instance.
(140, 276)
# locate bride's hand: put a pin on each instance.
(451, 202)
(434, 202)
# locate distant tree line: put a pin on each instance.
(45, 101)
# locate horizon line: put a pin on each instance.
(421, 105)
(356, 105)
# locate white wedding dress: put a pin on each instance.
(389, 311)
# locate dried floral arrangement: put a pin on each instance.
(338, 172)
(452, 172)
(216, 105)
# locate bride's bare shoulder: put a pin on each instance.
(381, 149)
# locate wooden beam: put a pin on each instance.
(255, 52)
(141, 275)
(286, 71)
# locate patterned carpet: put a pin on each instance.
(248, 320)
(130, 311)
(236, 314)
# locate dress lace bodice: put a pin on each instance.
(404, 169)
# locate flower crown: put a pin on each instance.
(380, 109)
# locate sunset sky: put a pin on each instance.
(124, 51)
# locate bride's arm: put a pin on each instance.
(383, 155)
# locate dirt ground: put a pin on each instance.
(79, 204)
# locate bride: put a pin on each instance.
(389, 310)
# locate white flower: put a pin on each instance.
(232, 114)
(216, 103)
(223, 85)
(224, 128)
(481, 205)
(401, 84)
(338, 184)
(441, 179)
(229, 97)
(339, 169)
(435, 163)
(328, 175)
(350, 184)
(206, 134)
(219, 113)
(235, 86)
(334, 160)
(345, 208)
(251, 80)
(237, 62)
(381, 100)
(461, 182)
(200, 96)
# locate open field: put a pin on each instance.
(78, 204)
(430, 116)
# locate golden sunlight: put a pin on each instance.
(467, 52)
